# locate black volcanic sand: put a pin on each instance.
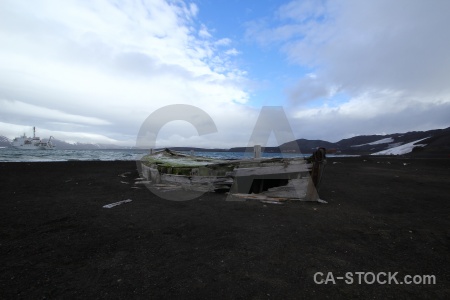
(57, 240)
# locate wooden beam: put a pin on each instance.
(271, 170)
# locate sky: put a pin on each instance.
(94, 71)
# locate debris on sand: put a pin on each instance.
(111, 205)
(124, 174)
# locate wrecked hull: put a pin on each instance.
(267, 180)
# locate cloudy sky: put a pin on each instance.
(93, 71)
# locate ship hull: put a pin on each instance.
(34, 143)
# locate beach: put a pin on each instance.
(384, 214)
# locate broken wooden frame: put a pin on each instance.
(275, 179)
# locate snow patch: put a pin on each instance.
(382, 141)
(393, 145)
(403, 149)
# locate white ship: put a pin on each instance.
(34, 143)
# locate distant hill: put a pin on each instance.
(437, 145)
(307, 146)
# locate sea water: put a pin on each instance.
(17, 155)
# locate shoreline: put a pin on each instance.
(349, 156)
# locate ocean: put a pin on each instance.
(16, 155)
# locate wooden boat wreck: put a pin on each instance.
(266, 179)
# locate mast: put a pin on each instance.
(34, 132)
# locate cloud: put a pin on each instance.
(399, 45)
(109, 64)
(260, 31)
(376, 112)
(23, 111)
(101, 67)
(223, 42)
(309, 88)
(382, 60)
(203, 32)
(232, 52)
(301, 11)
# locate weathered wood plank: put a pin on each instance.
(180, 179)
(280, 169)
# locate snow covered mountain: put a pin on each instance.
(418, 143)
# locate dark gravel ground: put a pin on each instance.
(383, 215)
